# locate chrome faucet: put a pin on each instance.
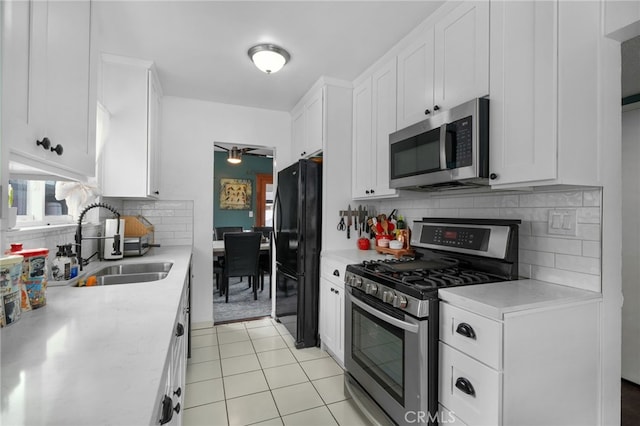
(79, 238)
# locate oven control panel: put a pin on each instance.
(414, 306)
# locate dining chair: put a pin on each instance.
(218, 264)
(265, 258)
(242, 255)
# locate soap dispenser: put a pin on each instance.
(61, 265)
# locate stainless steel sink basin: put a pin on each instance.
(130, 278)
(127, 273)
(134, 268)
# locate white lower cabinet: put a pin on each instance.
(170, 400)
(332, 307)
(534, 366)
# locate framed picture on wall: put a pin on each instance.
(235, 194)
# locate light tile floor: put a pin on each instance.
(250, 373)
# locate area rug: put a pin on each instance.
(241, 305)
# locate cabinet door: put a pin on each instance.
(297, 136)
(313, 123)
(384, 123)
(153, 142)
(16, 42)
(67, 95)
(523, 86)
(415, 81)
(363, 148)
(462, 55)
(48, 67)
(328, 314)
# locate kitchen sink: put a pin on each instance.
(127, 273)
(134, 268)
(130, 278)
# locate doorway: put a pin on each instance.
(252, 168)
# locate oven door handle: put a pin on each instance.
(411, 328)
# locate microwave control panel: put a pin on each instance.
(459, 143)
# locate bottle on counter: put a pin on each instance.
(61, 265)
(73, 262)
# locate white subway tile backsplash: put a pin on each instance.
(457, 202)
(591, 249)
(589, 215)
(589, 232)
(592, 198)
(587, 265)
(496, 201)
(568, 278)
(552, 199)
(539, 258)
(551, 245)
(172, 220)
(479, 213)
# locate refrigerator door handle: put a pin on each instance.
(276, 211)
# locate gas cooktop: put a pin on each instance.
(450, 252)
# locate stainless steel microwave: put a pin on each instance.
(447, 150)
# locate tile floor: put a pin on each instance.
(250, 373)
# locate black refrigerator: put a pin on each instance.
(298, 220)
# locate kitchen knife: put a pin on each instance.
(349, 222)
(360, 221)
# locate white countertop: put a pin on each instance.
(496, 300)
(94, 355)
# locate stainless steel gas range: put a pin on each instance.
(391, 312)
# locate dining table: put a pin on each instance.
(218, 247)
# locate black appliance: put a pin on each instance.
(297, 234)
(448, 150)
(391, 312)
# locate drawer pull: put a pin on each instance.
(465, 386)
(336, 273)
(466, 330)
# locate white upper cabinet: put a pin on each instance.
(131, 94)
(415, 81)
(544, 124)
(622, 19)
(374, 118)
(462, 55)
(447, 66)
(523, 78)
(47, 80)
(308, 122)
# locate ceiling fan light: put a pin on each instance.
(235, 156)
(269, 58)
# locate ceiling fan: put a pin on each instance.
(235, 153)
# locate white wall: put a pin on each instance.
(189, 129)
(631, 245)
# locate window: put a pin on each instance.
(37, 204)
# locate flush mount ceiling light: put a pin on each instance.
(268, 58)
(235, 156)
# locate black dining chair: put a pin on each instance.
(265, 258)
(218, 264)
(241, 258)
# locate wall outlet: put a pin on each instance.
(250, 213)
(563, 222)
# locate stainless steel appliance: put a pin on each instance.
(298, 220)
(391, 312)
(447, 150)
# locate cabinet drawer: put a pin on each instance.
(469, 389)
(475, 335)
(328, 268)
(448, 417)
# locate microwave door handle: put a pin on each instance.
(411, 328)
(443, 147)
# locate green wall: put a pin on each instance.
(248, 169)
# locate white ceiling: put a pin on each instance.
(200, 47)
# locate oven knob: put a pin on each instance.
(388, 296)
(399, 302)
(348, 280)
(371, 288)
(357, 282)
